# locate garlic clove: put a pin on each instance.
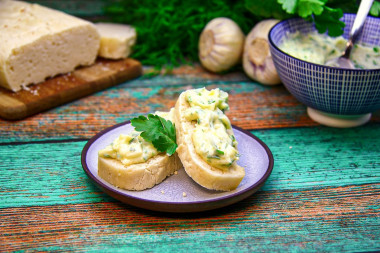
(220, 44)
(257, 59)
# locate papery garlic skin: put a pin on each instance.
(257, 59)
(220, 45)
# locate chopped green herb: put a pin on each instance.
(214, 157)
(220, 152)
(332, 52)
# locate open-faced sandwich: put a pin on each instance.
(133, 163)
(206, 143)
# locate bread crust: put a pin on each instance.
(141, 176)
(199, 170)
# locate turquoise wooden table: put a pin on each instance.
(322, 196)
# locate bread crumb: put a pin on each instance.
(175, 172)
(290, 147)
(184, 194)
(163, 192)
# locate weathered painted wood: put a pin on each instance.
(253, 106)
(316, 220)
(323, 194)
(308, 158)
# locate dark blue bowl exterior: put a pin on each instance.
(328, 89)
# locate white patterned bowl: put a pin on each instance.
(334, 96)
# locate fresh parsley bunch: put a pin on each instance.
(160, 132)
(168, 31)
(323, 13)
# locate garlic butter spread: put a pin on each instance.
(132, 148)
(213, 137)
(320, 48)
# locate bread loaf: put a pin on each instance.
(38, 42)
(116, 40)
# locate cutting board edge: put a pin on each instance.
(21, 111)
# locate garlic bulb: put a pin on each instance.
(220, 44)
(257, 59)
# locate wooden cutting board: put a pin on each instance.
(65, 88)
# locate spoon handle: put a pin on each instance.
(364, 7)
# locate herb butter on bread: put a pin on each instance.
(132, 163)
(206, 143)
(39, 42)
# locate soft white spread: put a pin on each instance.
(129, 149)
(320, 48)
(213, 137)
(132, 148)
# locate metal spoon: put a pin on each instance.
(344, 61)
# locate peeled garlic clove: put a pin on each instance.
(220, 44)
(257, 59)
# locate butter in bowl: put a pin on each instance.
(334, 96)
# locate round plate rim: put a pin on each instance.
(107, 188)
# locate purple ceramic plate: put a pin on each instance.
(179, 193)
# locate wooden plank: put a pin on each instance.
(308, 158)
(253, 106)
(338, 219)
(68, 87)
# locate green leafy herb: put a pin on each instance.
(307, 8)
(329, 21)
(325, 18)
(160, 132)
(168, 31)
(290, 6)
(375, 9)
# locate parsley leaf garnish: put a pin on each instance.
(325, 18)
(290, 6)
(329, 21)
(375, 9)
(160, 132)
(307, 8)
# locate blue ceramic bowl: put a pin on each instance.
(336, 92)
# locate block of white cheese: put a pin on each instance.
(116, 40)
(37, 42)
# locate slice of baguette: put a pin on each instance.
(200, 171)
(139, 176)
